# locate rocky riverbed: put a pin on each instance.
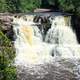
(60, 69)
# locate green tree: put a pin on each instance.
(3, 6)
(72, 6)
(13, 6)
(29, 5)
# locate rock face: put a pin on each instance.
(6, 26)
(5, 22)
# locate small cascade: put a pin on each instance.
(64, 38)
(30, 49)
(46, 52)
(58, 41)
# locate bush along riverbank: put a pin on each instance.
(7, 54)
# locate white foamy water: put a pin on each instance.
(63, 36)
(30, 48)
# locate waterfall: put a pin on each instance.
(30, 48)
(54, 58)
(64, 38)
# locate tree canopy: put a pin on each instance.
(72, 6)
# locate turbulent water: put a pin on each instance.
(64, 38)
(55, 58)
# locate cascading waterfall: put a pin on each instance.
(56, 53)
(64, 38)
(30, 49)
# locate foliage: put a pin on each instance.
(7, 54)
(4, 41)
(72, 6)
(3, 6)
(66, 5)
(16, 6)
(29, 5)
(13, 5)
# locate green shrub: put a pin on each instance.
(7, 54)
(4, 41)
(29, 5)
(16, 6)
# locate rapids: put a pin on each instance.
(37, 58)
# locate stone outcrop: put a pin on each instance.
(6, 26)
